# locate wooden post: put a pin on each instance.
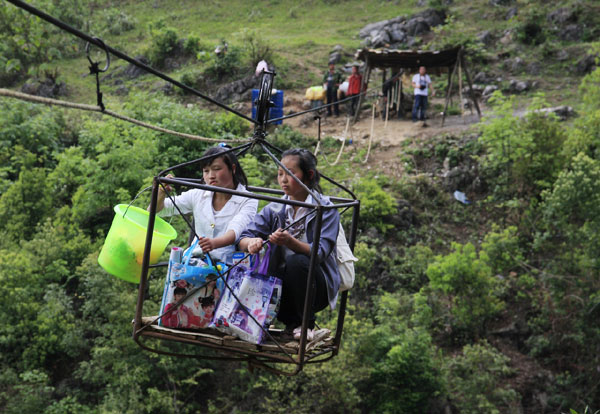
(400, 101)
(387, 109)
(364, 87)
(449, 92)
(460, 95)
(398, 95)
(450, 76)
(470, 83)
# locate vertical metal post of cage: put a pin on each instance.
(146, 259)
(310, 289)
(344, 299)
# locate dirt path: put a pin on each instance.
(387, 139)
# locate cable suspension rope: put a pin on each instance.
(95, 108)
(100, 44)
(341, 148)
(370, 135)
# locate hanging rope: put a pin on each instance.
(370, 135)
(93, 108)
(341, 148)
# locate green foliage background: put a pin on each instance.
(472, 309)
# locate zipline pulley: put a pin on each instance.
(95, 68)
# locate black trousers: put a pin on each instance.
(353, 104)
(294, 278)
(331, 98)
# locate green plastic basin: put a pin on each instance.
(123, 248)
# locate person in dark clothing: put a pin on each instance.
(332, 81)
(290, 257)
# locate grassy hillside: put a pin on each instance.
(301, 36)
(487, 307)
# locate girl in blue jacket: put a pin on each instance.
(290, 256)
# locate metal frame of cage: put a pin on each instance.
(255, 358)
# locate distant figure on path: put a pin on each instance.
(354, 88)
(332, 81)
(421, 82)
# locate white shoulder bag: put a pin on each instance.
(345, 261)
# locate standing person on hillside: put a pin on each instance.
(421, 82)
(332, 81)
(354, 88)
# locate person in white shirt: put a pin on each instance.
(421, 82)
(219, 218)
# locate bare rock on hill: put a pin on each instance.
(512, 12)
(458, 178)
(483, 78)
(586, 64)
(237, 90)
(501, 2)
(404, 218)
(534, 68)
(562, 112)
(571, 33)
(515, 65)
(562, 16)
(562, 55)
(336, 54)
(488, 91)
(516, 86)
(47, 87)
(132, 71)
(486, 38)
(400, 31)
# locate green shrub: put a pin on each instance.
(114, 21)
(26, 42)
(256, 47)
(585, 136)
(226, 64)
(192, 45)
(376, 204)
(467, 280)
(474, 379)
(402, 377)
(523, 155)
(571, 210)
(31, 394)
(456, 33)
(502, 250)
(164, 43)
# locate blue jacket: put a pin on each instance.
(272, 217)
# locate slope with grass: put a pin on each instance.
(487, 307)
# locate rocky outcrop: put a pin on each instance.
(237, 90)
(133, 71)
(562, 112)
(400, 31)
(564, 21)
(586, 64)
(47, 87)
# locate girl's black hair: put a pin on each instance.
(180, 291)
(239, 177)
(306, 162)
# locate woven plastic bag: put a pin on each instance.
(256, 305)
(196, 278)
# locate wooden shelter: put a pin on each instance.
(402, 60)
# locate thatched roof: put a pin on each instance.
(393, 58)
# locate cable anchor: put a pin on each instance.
(95, 69)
